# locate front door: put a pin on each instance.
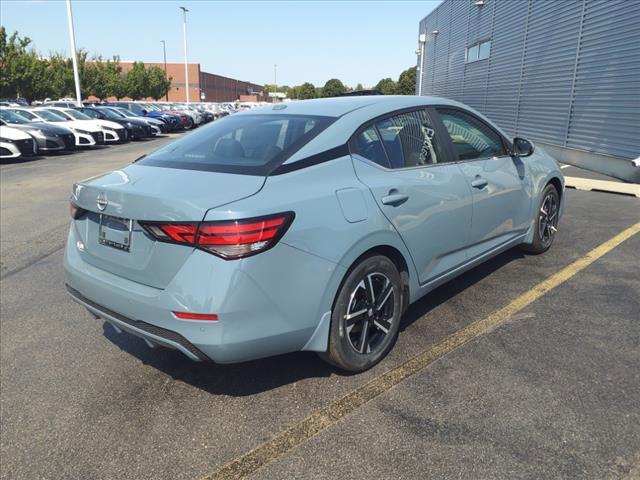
(401, 160)
(500, 183)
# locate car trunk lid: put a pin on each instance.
(113, 240)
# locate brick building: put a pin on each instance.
(204, 86)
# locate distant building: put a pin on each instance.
(565, 74)
(204, 86)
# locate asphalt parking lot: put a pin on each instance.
(546, 388)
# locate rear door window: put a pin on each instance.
(410, 140)
(244, 144)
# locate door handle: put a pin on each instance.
(479, 182)
(394, 199)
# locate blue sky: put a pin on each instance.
(356, 41)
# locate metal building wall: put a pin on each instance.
(564, 73)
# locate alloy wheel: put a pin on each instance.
(548, 219)
(370, 313)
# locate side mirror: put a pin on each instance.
(144, 112)
(522, 147)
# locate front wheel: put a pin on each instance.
(546, 222)
(366, 315)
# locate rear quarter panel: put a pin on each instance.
(321, 228)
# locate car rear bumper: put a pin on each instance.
(262, 307)
(150, 333)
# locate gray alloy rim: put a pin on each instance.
(370, 313)
(548, 219)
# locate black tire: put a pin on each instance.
(358, 343)
(546, 223)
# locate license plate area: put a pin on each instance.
(115, 232)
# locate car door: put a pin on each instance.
(501, 184)
(402, 160)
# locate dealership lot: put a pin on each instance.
(551, 392)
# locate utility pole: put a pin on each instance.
(186, 68)
(422, 41)
(164, 56)
(74, 57)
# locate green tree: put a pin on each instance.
(333, 88)
(359, 87)
(407, 82)
(60, 74)
(307, 90)
(22, 72)
(114, 79)
(158, 83)
(386, 86)
(137, 82)
(294, 92)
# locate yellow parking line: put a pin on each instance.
(249, 462)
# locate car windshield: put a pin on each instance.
(12, 117)
(126, 113)
(112, 111)
(111, 114)
(28, 115)
(77, 115)
(49, 116)
(90, 113)
(247, 144)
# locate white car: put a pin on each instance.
(113, 132)
(152, 122)
(16, 143)
(86, 135)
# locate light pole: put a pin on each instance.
(74, 57)
(275, 77)
(186, 69)
(164, 56)
(422, 41)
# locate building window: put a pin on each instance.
(478, 51)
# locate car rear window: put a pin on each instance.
(244, 144)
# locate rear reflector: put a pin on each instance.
(211, 317)
(227, 239)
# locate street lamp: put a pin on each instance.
(275, 77)
(164, 56)
(186, 69)
(422, 40)
(74, 57)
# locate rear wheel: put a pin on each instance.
(366, 315)
(546, 222)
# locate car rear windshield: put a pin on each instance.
(244, 144)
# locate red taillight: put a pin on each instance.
(211, 317)
(227, 239)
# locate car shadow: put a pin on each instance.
(257, 376)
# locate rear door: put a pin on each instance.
(500, 183)
(402, 160)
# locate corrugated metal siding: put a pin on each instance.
(605, 115)
(505, 63)
(561, 72)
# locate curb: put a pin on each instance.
(602, 186)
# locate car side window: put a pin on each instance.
(471, 137)
(369, 146)
(410, 140)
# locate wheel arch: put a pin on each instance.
(385, 243)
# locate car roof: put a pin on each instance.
(339, 106)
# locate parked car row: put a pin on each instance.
(60, 125)
(53, 126)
